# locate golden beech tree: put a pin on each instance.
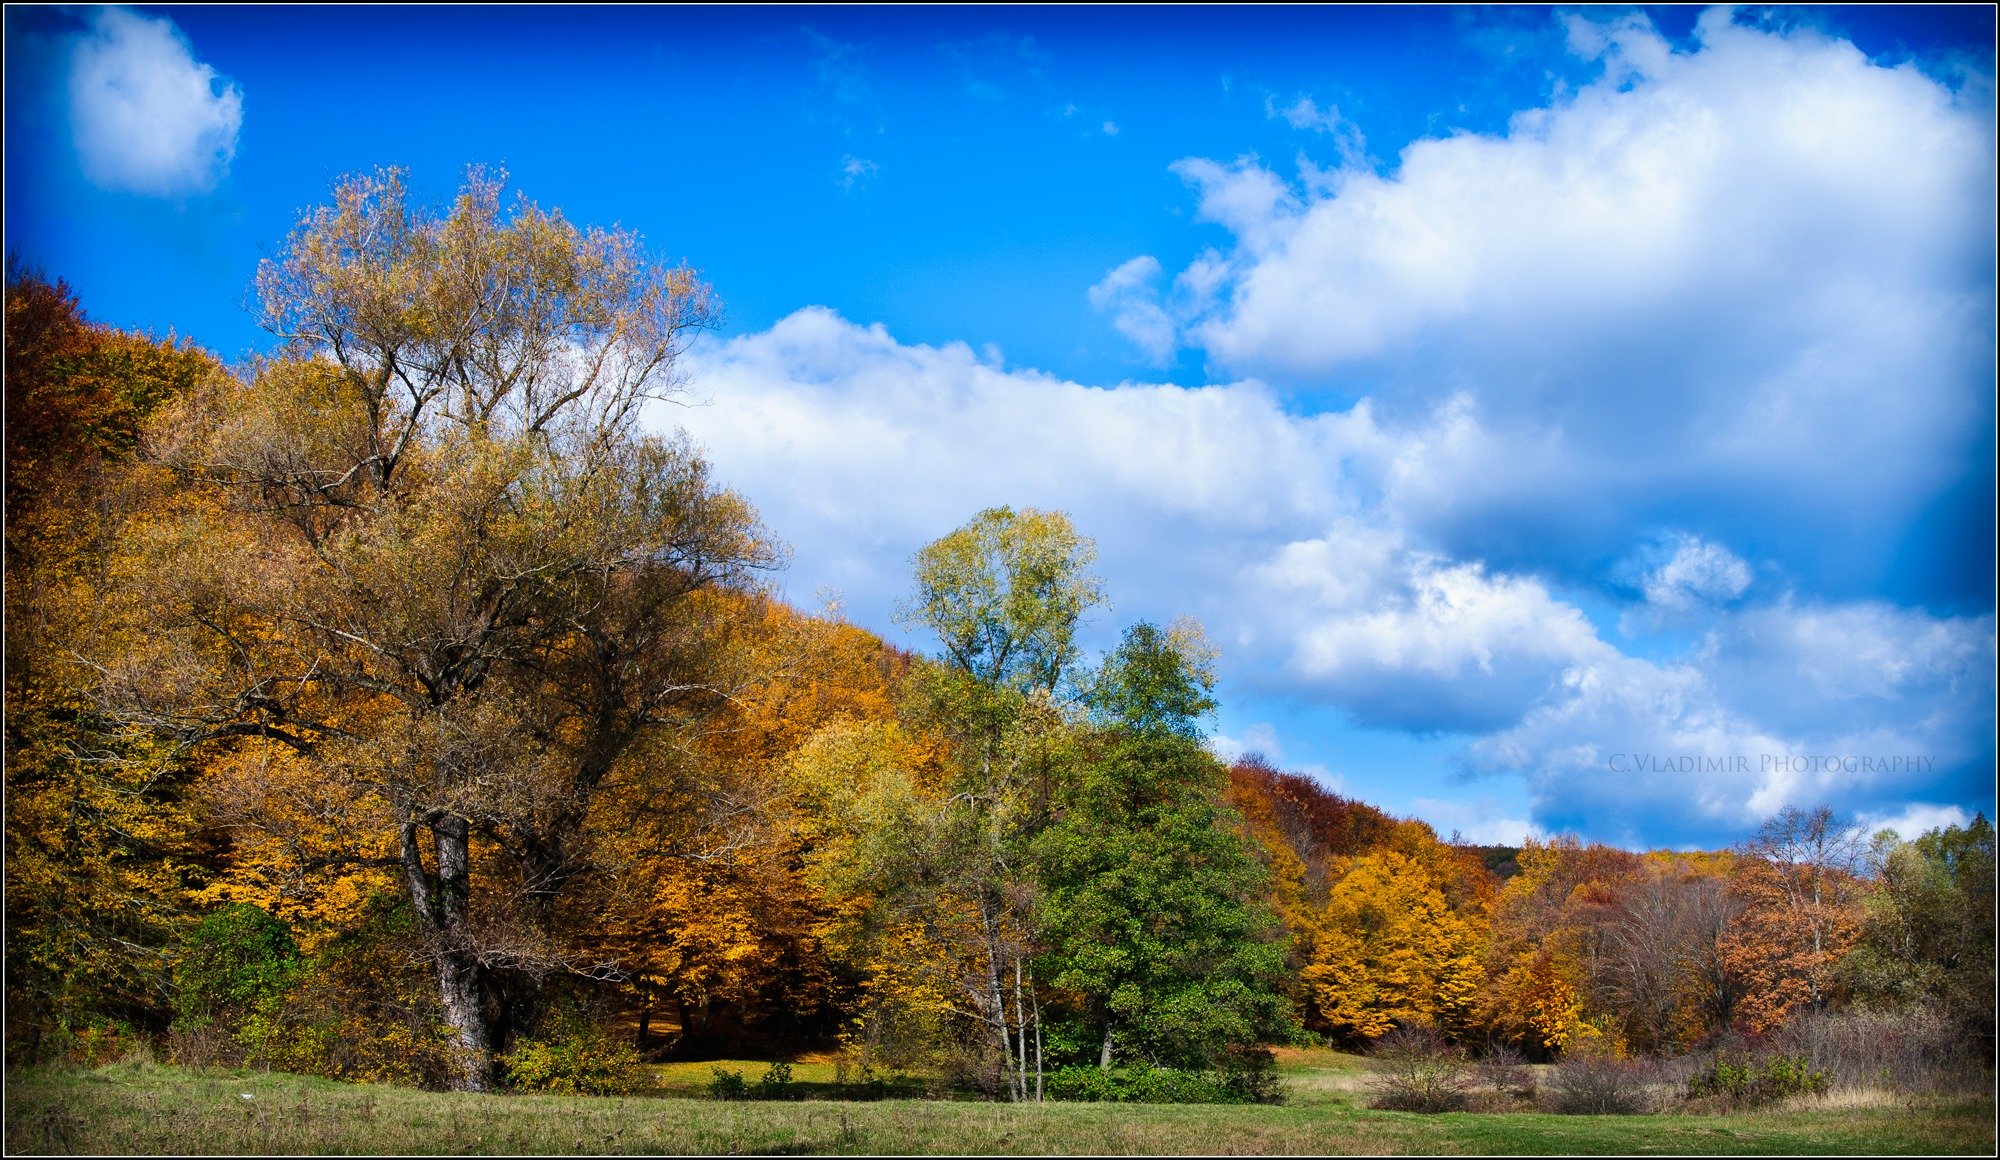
(433, 554)
(1391, 951)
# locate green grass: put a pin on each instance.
(144, 1108)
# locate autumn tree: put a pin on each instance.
(1802, 913)
(1927, 935)
(430, 552)
(105, 845)
(1003, 595)
(1392, 951)
(923, 824)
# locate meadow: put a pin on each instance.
(146, 1108)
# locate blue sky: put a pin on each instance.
(1563, 420)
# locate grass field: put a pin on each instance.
(149, 1109)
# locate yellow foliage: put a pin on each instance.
(1391, 950)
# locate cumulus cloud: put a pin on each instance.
(1127, 294)
(1287, 535)
(1480, 821)
(1690, 348)
(1914, 821)
(146, 116)
(1305, 113)
(863, 449)
(1865, 706)
(1404, 639)
(1753, 277)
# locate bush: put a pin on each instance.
(574, 1055)
(235, 959)
(1592, 1081)
(1914, 1050)
(363, 1009)
(775, 1083)
(1504, 1072)
(1747, 1082)
(727, 1085)
(1143, 1084)
(1417, 1071)
(1250, 1073)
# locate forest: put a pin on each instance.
(405, 705)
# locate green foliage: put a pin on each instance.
(573, 1054)
(1004, 593)
(1149, 916)
(1928, 939)
(728, 1085)
(1746, 1082)
(236, 959)
(775, 1083)
(362, 1007)
(1142, 1083)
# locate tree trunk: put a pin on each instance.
(444, 905)
(1104, 1054)
(464, 1010)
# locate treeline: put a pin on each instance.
(397, 707)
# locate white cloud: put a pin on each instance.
(1404, 639)
(856, 171)
(147, 117)
(1286, 535)
(1754, 277)
(1479, 822)
(1863, 706)
(1126, 293)
(1259, 739)
(1697, 573)
(1916, 820)
(862, 449)
(1305, 113)
(1735, 293)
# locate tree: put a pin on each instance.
(927, 857)
(104, 844)
(1393, 952)
(1928, 932)
(1802, 913)
(429, 550)
(1152, 914)
(1004, 594)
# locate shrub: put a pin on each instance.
(1504, 1072)
(1748, 1082)
(1594, 1082)
(1144, 1084)
(1250, 1073)
(1915, 1050)
(574, 1055)
(728, 1085)
(236, 958)
(1417, 1071)
(775, 1083)
(363, 1009)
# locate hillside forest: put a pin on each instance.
(404, 705)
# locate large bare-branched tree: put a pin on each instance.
(428, 547)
